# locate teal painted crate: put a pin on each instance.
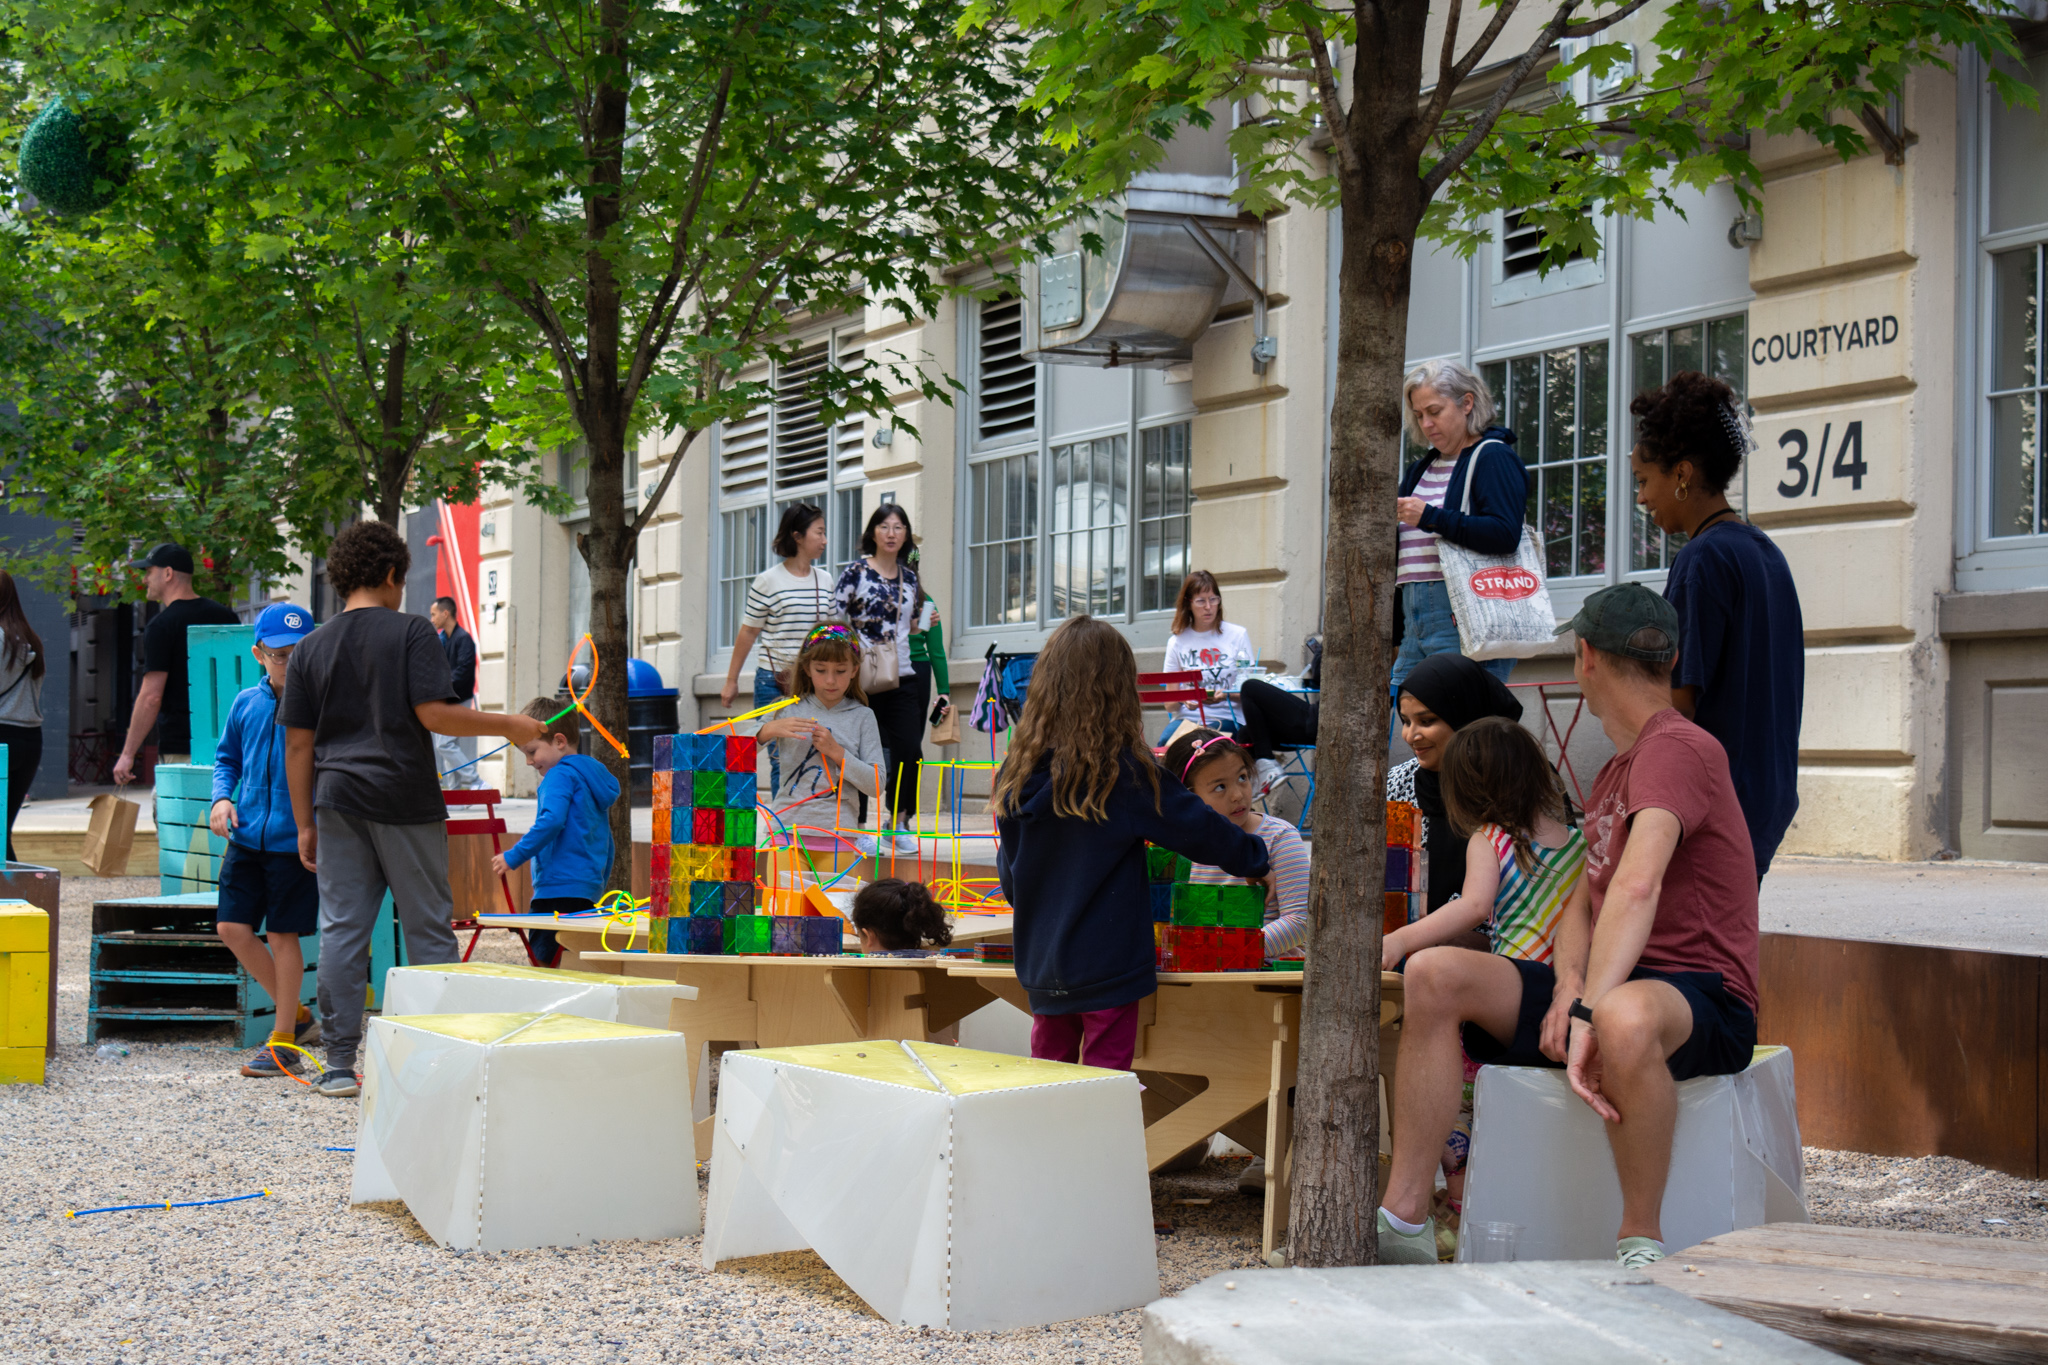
(220, 665)
(156, 959)
(190, 838)
(192, 781)
(182, 810)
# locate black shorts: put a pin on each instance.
(268, 890)
(1722, 1040)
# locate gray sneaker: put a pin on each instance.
(339, 1085)
(1637, 1253)
(1406, 1248)
(264, 1065)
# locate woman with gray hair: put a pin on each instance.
(1446, 408)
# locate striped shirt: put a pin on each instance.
(1526, 906)
(1418, 562)
(1287, 901)
(783, 608)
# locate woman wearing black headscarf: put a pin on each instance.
(1440, 696)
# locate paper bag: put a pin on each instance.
(947, 729)
(110, 836)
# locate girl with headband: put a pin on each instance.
(1216, 768)
(826, 743)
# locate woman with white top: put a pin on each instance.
(21, 699)
(783, 603)
(879, 596)
(1203, 642)
(1447, 408)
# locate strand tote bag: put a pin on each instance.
(1501, 602)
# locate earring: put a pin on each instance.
(1684, 490)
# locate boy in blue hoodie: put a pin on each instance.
(571, 839)
(263, 886)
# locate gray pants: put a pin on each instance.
(359, 860)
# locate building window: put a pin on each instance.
(2016, 388)
(1556, 402)
(1072, 505)
(1713, 348)
(778, 455)
(1518, 272)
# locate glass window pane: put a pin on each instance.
(1560, 405)
(1688, 349)
(1525, 394)
(2015, 465)
(1646, 361)
(2016, 318)
(1645, 541)
(1557, 522)
(1593, 403)
(1593, 516)
(1727, 351)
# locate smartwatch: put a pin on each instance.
(1579, 1011)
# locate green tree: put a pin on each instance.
(1415, 146)
(656, 192)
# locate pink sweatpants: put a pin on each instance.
(1104, 1038)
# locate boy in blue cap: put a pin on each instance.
(571, 839)
(263, 886)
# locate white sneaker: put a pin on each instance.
(1268, 773)
(864, 844)
(907, 846)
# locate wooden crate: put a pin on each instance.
(24, 992)
(188, 852)
(157, 960)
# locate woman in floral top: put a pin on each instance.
(879, 596)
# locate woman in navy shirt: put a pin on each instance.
(1741, 670)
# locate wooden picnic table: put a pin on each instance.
(586, 934)
(1876, 1295)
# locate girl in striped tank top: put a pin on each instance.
(1523, 864)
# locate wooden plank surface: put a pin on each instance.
(1877, 1296)
(1907, 1050)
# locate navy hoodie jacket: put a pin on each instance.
(248, 768)
(1084, 918)
(571, 838)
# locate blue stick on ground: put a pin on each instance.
(189, 1204)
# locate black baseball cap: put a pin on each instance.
(167, 556)
(1630, 620)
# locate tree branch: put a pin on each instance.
(1451, 74)
(1333, 104)
(1457, 156)
(675, 462)
(1603, 23)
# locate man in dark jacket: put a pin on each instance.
(456, 756)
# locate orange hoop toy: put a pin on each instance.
(569, 676)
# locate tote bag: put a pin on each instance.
(1501, 602)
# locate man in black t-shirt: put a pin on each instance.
(165, 699)
(363, 698)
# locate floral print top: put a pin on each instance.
(878, 608)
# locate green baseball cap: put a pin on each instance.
(1630, 620)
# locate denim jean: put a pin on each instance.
(1427, 627)
(765, 691)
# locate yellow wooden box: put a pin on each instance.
(24, 991)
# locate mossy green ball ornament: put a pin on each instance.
(73, 163)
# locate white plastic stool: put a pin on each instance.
(1540, 1159)
(490, 988)
(973, 1191)
(502, 1131)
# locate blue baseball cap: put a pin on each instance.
(283, 624)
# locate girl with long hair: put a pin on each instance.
(1076, 801)
(21, 698)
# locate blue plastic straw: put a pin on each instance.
(191, 1204)
(481, 757)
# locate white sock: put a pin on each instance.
(1400, 1224)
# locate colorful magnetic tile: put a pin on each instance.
(743, 865)
(741, 753)
(662, 830)
(1397, 867)
(747, 933)
(707, 790)
(1240, 907)
(679, 751)
(657, 898)
(709, 863)
(707, 899)
(1239, 950)
(995, 952)
(739, 828)
(1162, 902)
(824, 935)
(708, 753)
(786, 934)
(657, 935)
(1159, 863)
(705, 935)
(707, 826)
(1401, 823)
(740, 791)
(1396, 912)
(1183, 868)
(658, 859)
(664, 787)
(738, 898)
(1194, 905)
(664, 756)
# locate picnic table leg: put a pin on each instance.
(1279, 1132)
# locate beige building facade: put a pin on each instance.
(1882, 319)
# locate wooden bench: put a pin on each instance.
(1877, 1296)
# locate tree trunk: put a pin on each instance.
(390, 456)
(1336, 1130)
(608, 546)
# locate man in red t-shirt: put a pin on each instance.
(1654, 979)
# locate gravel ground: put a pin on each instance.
(302, 1276)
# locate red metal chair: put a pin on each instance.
(1564, 740)
(1169, 690)
(493, 825)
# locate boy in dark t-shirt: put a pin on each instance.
(1654, 978)
(364, 696)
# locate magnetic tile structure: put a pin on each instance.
(1406, 866)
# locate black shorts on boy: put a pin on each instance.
(1723, 1028)
(269, 892)
(541, 942)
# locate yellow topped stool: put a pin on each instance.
(24, 992)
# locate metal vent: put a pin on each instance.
(743, 455)
(847, 455)
(1521, 245)
(1007, 393)
(802, 445)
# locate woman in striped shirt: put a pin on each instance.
(783, 603)
(1447, 408)
(1218, 769)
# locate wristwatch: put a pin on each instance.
(1579, 1011)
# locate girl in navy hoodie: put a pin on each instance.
(571, 839)
(1076, 801)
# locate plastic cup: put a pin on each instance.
(1492, 1241)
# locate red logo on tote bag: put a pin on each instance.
(1505, 584)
